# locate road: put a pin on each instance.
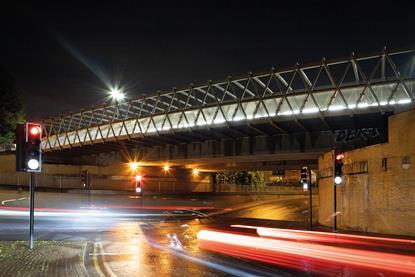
(161, 239)
(158, 240)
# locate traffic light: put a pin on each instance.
(304, 177)
(28, 147)
(338, 166)
(85, 178)
(138, 179)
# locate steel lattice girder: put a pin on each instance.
(378, 81)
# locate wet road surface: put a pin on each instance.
(120, 239)
(126, 241)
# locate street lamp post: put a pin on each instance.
(139, 189)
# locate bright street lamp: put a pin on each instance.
(133, 166)
(117, 94)
(195, 172)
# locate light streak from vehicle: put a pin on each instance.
(327, 237)
(317, 258)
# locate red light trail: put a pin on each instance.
(335, 238)
(312, 257)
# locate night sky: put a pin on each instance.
(61, 55)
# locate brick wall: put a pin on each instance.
(378, 194)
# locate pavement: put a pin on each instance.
(116, 236)
(49, 258)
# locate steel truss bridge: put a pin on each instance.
(301, 98)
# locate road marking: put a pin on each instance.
(98, 252)
(113, 254)
(11, 200)
(96, 263)
(104, 262)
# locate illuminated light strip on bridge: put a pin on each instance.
(349, 85)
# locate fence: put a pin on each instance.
(259, 189)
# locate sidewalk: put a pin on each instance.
(48, 258)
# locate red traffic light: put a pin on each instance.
(34, 130)
(339, 156)
(138, 178)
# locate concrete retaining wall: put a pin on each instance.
(115, 177)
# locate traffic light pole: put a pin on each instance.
(88, 178)
(32, 210)
(335, 207)
(311, 200)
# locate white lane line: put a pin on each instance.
(113, 254)
(8, 200)
(11, 200)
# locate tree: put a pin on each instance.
(256, 178)
(11, 108)
(240, 178)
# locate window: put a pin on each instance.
(406, 160)
(385, 164)
(278, 172)
(359, 167)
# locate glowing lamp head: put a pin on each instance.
(133, 166)
(117, 94)
(338, 180)
(33, 164)
(339, 156)
(34, 130)
(166, 168)
(138, 189)
(195, 171)
(138, 178)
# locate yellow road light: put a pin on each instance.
(195, 171)
(166, 168)
(133, 166)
